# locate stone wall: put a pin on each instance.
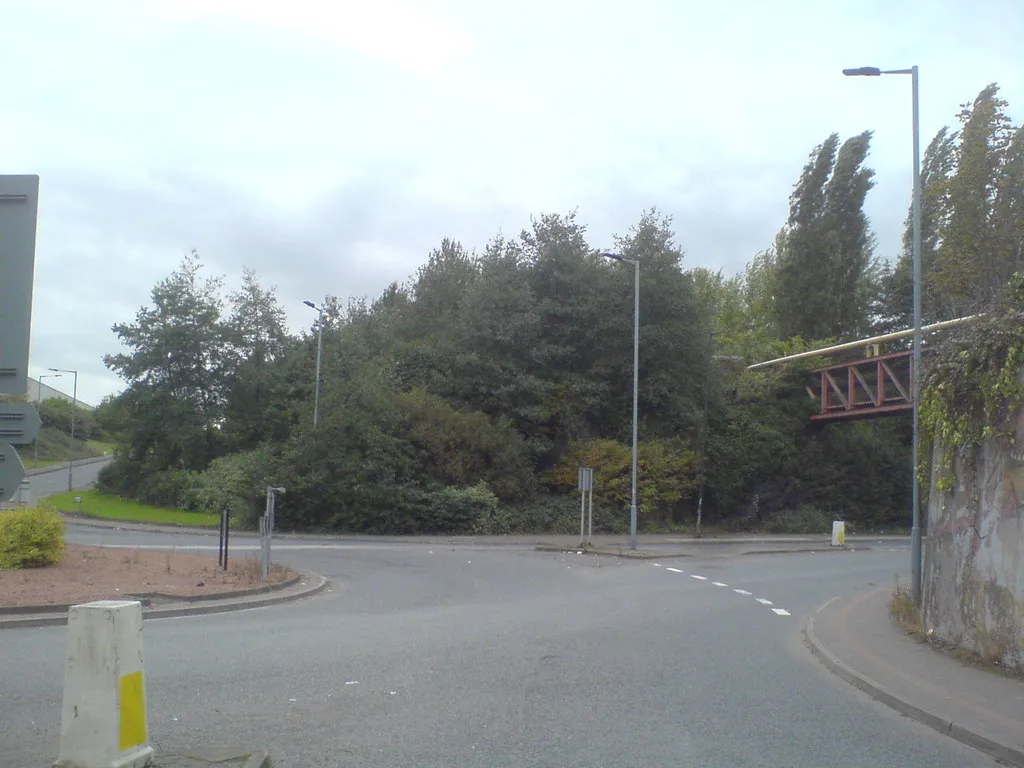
(974, 555)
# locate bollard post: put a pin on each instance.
(103, 716)
(838, 533)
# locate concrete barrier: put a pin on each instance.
(103, 717)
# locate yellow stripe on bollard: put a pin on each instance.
(133, 711)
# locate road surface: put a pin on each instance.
(56, 480)
(430, 655)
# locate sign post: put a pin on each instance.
(585, 483)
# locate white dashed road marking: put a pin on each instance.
(761, 600)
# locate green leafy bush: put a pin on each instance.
(30, 538)
(667, 474)
(803, 519)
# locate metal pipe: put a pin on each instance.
(861, 342)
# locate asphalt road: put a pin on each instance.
(429, 655)
(56, 480)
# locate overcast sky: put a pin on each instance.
(330, 146)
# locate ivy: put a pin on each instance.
(972, 383)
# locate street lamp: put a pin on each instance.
(704, 426)
(915, 531)
(319, 349)
(39, 400)
(74, 407)
(636, 376)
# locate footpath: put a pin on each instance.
(856, 639)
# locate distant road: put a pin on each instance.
(55, 480)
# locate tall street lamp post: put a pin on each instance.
(39, 400)
(74, 407)
(915, 531)
(636, 377)
(319, 350)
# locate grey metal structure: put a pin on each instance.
(319, 350)
(19, 204)
(915, 531)
(636, 377)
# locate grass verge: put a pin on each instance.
(906, 613)
(95, 504)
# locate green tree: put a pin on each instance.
(970, 268)
(255, 407)
(177, 376)
(822, 283)
(895, 311)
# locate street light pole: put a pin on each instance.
(74, 407)
(319, 350)
(915, 531)
(39, 401)
(636, 380)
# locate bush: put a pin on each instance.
(667, 474)
(463, 510)
(803, 519)
(30, 538)
(236, 482)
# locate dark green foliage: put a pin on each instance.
(824, 276)
(56, 412)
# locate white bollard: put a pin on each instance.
(838, 533)
(103, 719)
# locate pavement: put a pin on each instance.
(854, 637)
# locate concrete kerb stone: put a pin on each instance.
(879, 692)
(49, 618)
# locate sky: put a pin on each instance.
(330, 146)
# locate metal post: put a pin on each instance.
(227, 535)
(915, 531)
(74, 407)
(704, 434)
(583, 500)
(636, 377)
(319, 352)
(590, 517)
(265, 528)
(39, 402)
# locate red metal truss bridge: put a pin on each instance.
(877, 385)
(868, 388)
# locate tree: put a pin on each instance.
(823, 275)
(177, 375)
(970, 268)
(255, 333)
(895, 311)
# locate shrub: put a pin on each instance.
(30, 538)
(464, 510)
(667, 472)
(803, 519)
